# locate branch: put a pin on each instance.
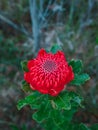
(41, 16)
(47, 14)
(34, 13)
(47, 9)
(90, 7)
(15, 26)
(41, 7)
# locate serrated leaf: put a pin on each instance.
(55, 48)
(80, 79)
(51, 125)
(26, 87)
(24, 65)
(35, 106)
(76, 65)
(69, 114)
(21, 104)
(78, 100)
(43, 113)
(64, 101)
(29, 100)
(57, 116)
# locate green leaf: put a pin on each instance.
(51, 125)
(57, 116)
(43, 113)
(63, 101)
(55, 48)
(76, 65)
(80, 79)
(78, 100)
(35, 106)
(21, 104)
(29, 100)
(26, 87)
(69, 114)
(24, 65)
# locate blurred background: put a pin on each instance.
(28, 25)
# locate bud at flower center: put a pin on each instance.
(49, 66)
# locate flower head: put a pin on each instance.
(48, 73)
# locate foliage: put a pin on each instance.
(55, 48)
(77, 68)
(24, 66)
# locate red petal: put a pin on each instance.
(60, 55)
(41, 53)
(27, 76)
(30, 64)
(32, 87)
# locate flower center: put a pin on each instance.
(49, 66)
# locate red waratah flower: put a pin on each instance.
(48, 73)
